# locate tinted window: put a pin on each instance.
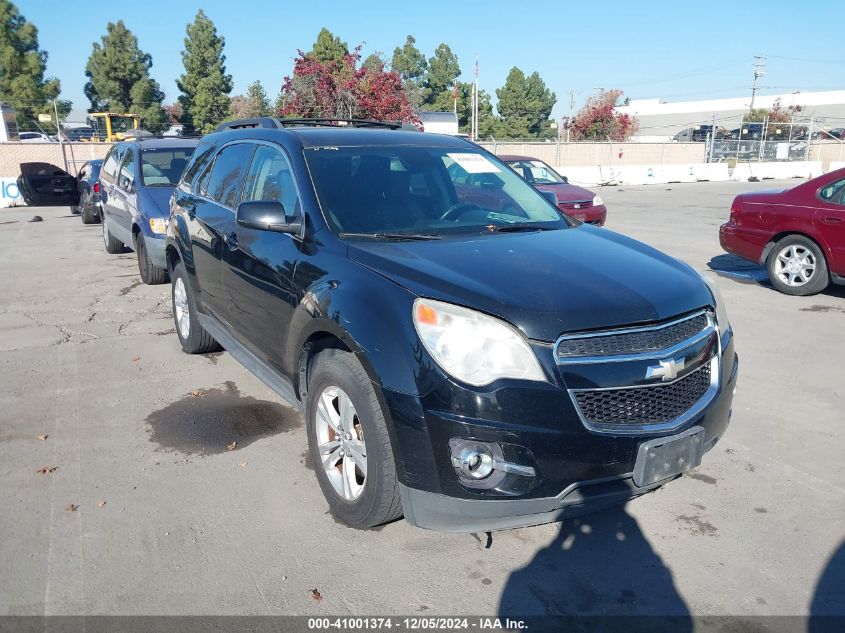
(422, 189)
(224, 183)
(164, 167)
(270, 178)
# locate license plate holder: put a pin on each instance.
(666, 457)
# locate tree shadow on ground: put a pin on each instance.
(598, 565)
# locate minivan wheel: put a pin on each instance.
(113, 246)
(349, 442)
(192, 336)
(149, 273)
(797, 266)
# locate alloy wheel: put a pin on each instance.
(795, 265)
(340, 441)
(180, 307)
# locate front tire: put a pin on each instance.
(349, 442)
(797, 266)
(113, 245)
(150, 274)
(192, 336)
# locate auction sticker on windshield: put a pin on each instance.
(474, 163)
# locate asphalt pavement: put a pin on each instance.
(149, 512)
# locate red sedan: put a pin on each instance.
(799, 233)
(576, 202)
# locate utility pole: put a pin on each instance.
(571, 106)
(759, 71)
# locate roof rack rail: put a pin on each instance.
(271, 123)
(264, 121)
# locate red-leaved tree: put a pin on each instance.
(345, 89)
(598, 120)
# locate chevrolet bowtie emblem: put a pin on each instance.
(667, 369)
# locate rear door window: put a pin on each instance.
(224, 181)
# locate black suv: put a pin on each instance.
(463, 355)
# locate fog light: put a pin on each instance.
(475, 463)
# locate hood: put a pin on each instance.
(155, 201)
(545, 283)
(567, 192)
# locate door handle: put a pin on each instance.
(231, 240)
(832, 220)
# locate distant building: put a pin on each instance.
(661, 120)
(439, 122)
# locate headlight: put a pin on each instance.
(597, 201)
(721, 310)
(473, 347)
(158, 225)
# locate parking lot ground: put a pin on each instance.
(147, 511)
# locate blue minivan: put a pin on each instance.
(136, 182)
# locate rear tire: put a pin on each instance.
(192, 336)
(797, 266)
(345, 426)
(90, 216)
(150, 274)
(113, 245)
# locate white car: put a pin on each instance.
(34, 137)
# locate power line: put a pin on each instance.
(811, 61)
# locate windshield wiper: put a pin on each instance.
(514, 228)
(393, 236)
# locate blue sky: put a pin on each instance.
(677, 51)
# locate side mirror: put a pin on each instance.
(265, 215)
(550, 196)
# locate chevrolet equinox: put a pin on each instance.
(463, 354)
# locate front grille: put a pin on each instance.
(656, 404)
(621, 342)
(582, 204)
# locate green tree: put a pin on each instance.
(258, 99)
(119, 79)
(22, 67)
(410, 64)
(374, 62)
(525, 104)
(439, 83)
(205, 86)
(328, 47)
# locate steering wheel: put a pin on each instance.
(457, 210)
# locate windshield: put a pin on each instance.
(537, 172)
(163, 167)
(422, 190)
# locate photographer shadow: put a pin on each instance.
(600, 566)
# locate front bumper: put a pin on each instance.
(578, 471)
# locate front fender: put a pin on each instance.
(373, 317)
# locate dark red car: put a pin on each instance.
(799, 233)
(576, 202)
